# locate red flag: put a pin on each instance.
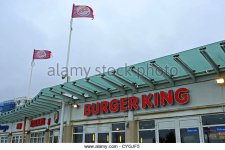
(41, 54)
(80, 11)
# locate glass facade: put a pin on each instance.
(54, 136)
(18, 139)
(77, 138)
(147, 131)
(118, 137)
(167, 136)
(3, 139)
(189, 135)
(118, 133)
(37, 137)
(191, 129)
(78, 134)
(214, 134)
(213, 119)
(90, 138)
(103, 137)
(214, 128)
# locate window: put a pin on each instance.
(147, 131)
(54, 136)
(167, 136)
(118, 133)
(18, 139)
(103, 137)
(189, 135)
(214, 134)
(118, 127)
(214, 128)
(78, 134)
(213, 119)
(90, 138)
(3, 139)
(37, 137)
(51, 137)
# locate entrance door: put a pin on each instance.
(166, 131)
(189, 129)
(178, 130)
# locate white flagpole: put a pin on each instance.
(68, 51)
(31, 72)
(67, 80)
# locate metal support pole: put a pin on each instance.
(62, 123)
(24, 128)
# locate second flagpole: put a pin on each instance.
(31, 73)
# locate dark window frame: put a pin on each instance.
(78, 133)
(191, 128)
(212, 125)
(173, 133)
(103, 133)
(118, 131)
(146, 129)
(91, 137)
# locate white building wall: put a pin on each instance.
(202, 95)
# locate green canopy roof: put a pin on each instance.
(184, 67)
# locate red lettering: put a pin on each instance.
(114, 106)
(151, 100)
(19, 126)
(38, 122)
(156, 99)
(182, 95)
(132, 103)
(104, 107)
(49, 121)
(42, 121)
(164, 97)
(145, 101)
(95, 108)
(31, 123)
(123, 104)
(34, 123)
(87, 109)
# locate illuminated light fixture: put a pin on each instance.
(141, 140)
(120, 139)
(75, 106)
(93, 137)
(117, 129)
(220, 81)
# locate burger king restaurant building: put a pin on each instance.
(131, 105)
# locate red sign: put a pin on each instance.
(38, 122)
(49, 121)
(151, 100)
(19, 126)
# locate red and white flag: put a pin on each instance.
(80, 11)
(41, 54)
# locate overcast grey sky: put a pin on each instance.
(123, 31)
